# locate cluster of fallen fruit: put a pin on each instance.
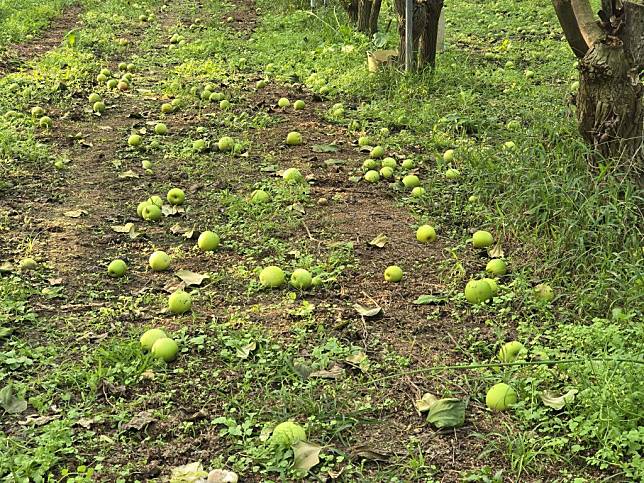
(448, 412)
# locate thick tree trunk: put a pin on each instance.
(610, 101)
(610, 109)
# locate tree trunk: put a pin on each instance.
(352, 10)
(425, 31)
(428, 38)
(418, 27)
(610, 101)
(375, 14)
(366, 15)
(609, 105)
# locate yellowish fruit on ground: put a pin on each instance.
(482, 239)
(28, 263)
(448, 156)
(544, 293)
(292, 175)
(299, 105)
(394, 274)
(377, 152)
(500, 397)
(372, 176)
(301, 279)
(226, 143)
(426, 234)
(117, 268)
(260, 196)
(510, 351)
(165, 348)
(208, 241)
(159, 261)
(411, 181)
(286, 434)
(477, 291)
(407, 164)
(418, 192)
(496, 267)
(386, 172)
(149, 337)
(179, 302)
(294, 138)
(151, 212)
(176, 196)
(493, 285)
(364, 141)
(283, 102)
(134, 140)
(272, 277)
(452, 173)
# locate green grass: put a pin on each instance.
(20, 19)
(245, 353)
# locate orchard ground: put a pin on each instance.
(81, 401)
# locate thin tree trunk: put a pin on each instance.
(352, 10)
(375, 14)
(428, 39)
(364, 15)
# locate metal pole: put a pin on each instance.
(409, 26)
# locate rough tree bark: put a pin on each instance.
(610, 103)
(364, 14)
(424, 32)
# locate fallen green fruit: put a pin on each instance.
(482, 239)
(544, 293)
(510, 351)
(377, 152)
(165, 348)
(496, 267)
(149, 337)
(393, 274)
(299, 105)
(293, 175)
(477, 291)
(286, 434)
(426, 234)
(28, 263)
(159, 261)
(500, 397)
(161, 129)
(411, 181)
(208, 241)
(117, 268)
(134, 140)
(260, 196)
(151, 212)
(283, 102)
(176, 196)
(372, 176)
(179, 302)
(418, 192)
(226, 143)
(272, 277)
(294, 138)
(301, 279)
